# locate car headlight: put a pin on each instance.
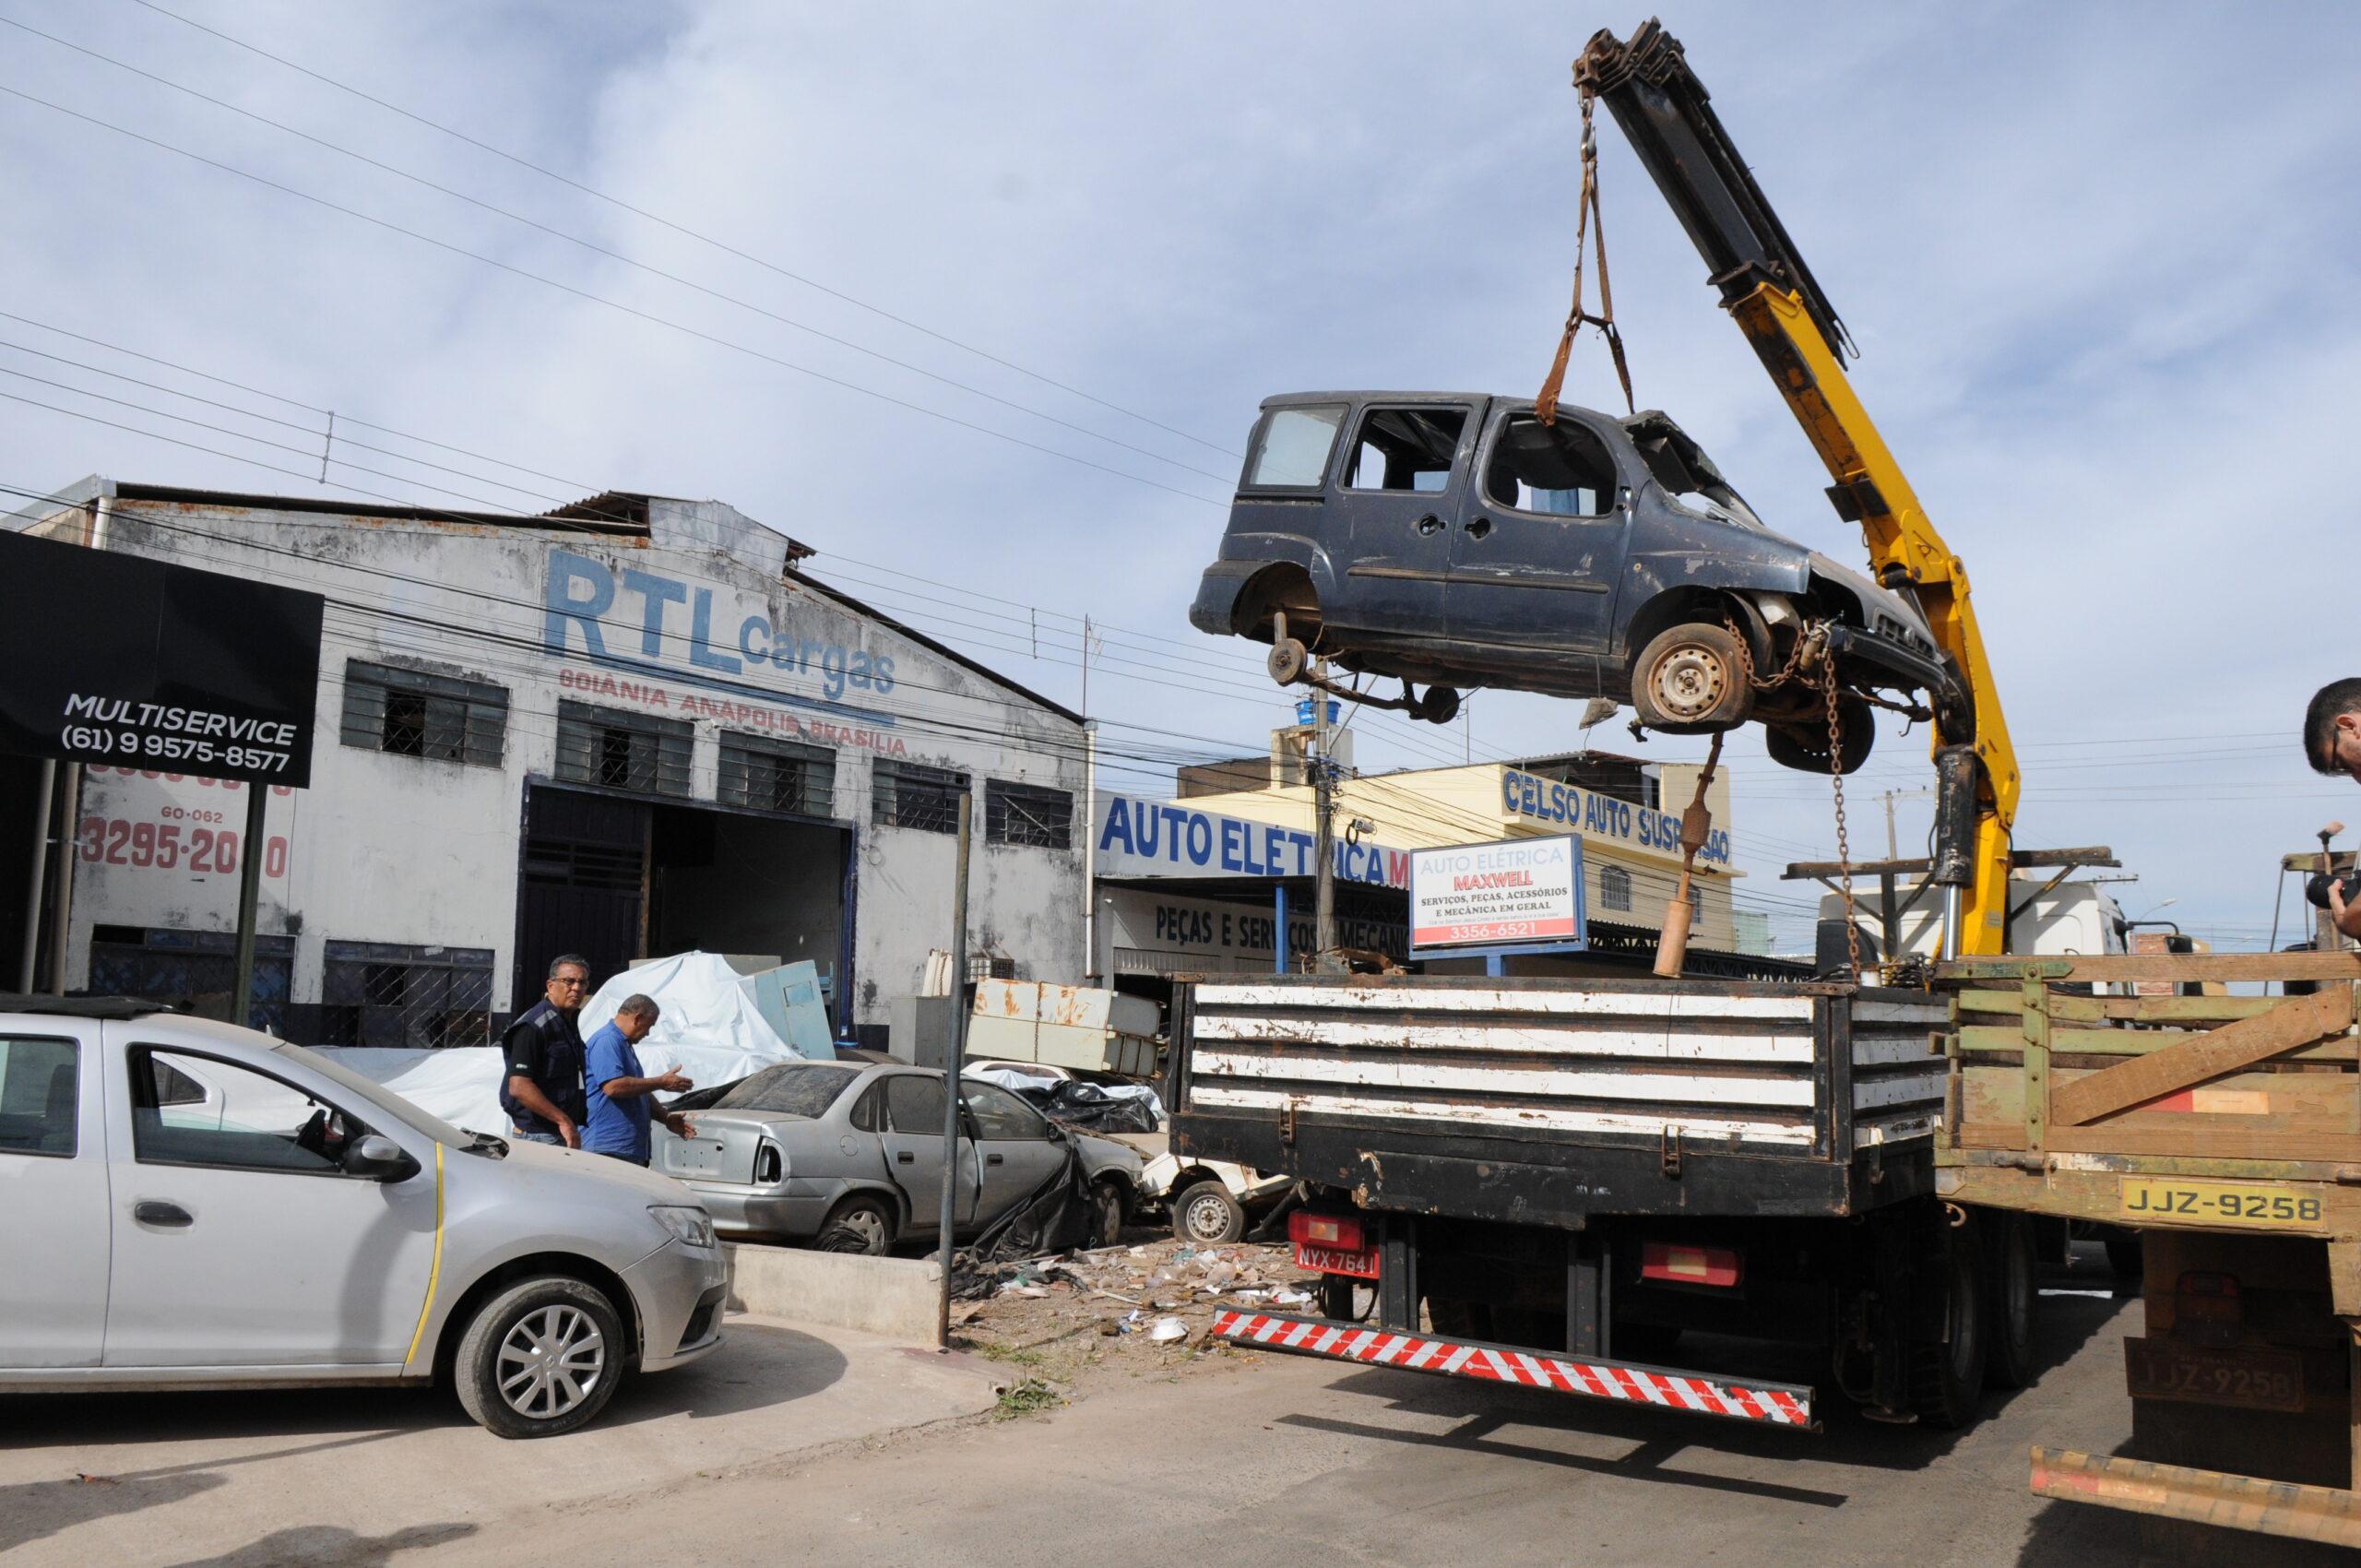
(691, 1226)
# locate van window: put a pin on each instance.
(1558, 470)
(1292, 445)
(1406, 448)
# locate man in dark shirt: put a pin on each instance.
(541, 1090)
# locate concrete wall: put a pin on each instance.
(405, 850)
(899, 1298)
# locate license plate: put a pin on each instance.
(2241, 1203)
(695, 1159)
(1328, 1260)
(2254, 1380)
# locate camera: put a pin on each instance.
(2348, 886)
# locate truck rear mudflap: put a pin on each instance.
(1774, 1404)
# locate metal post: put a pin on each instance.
(62, 911)
(1090, 855)
(1279, 916)
(42, 834)
(1324, 841)
(242, 1001)
(948, 1215)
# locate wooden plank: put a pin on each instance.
(1575, 1038)
(2138, 1009)
(2035, 1066)
(2330, 1514)
(2173, 1143)
(2186, 966)
(1533, 1084)
(2088, 855)
(2278, 1102)
(2298, 1021)
(2009, 1039)
(1214, 997)
(1536, 1119)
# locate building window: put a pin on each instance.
(1614, 888)
(410, 713)
(1025, 814)
(904, 794)
(778, 776)
(192, 971)
(622, 751)
(396, 997)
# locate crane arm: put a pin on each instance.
(1666, 115)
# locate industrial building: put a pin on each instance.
(628, 727)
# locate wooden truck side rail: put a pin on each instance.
(2226, 1131)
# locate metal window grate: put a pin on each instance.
(622, 751)
(1614, 888)
(1026, 813)
(393, 997)
(411, 713)
(776, 776)
(908, 794)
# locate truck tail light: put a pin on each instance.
(1680, 1265)
(1333, 1231)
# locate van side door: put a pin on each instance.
(1401, 483)
(1538, 557)
(53, 1190)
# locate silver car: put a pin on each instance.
(803, 1148)
(191, 1204)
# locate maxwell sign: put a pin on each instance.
(1519, 891)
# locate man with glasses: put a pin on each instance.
(542, 1090)
(2332, 745)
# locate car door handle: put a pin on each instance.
(1479, 527)
(1429, 524)
(903, 1157)
(995, 1159)
(171, 1215)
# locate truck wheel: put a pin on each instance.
(1207, 1216)
(1946, 1375)
(540, 1358)
(1804, 745)
(2010, 1302)
(1692, 680)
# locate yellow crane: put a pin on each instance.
(1664, 112)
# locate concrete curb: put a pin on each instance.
(894, 1297)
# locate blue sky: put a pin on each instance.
(2099, 260)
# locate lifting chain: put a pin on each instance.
(1590, 228)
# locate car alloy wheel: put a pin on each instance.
(551, 1361)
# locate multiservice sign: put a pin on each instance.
(1519, 891)
(114, 659)
(1603, 816)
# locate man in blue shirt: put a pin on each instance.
(622, 1096)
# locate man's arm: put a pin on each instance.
(670, 1083)
(2347, 916)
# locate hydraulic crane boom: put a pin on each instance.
(1664, 111)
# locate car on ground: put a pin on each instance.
(1209, 1202)
(854, 1151)
(1456, 540)
(196, 1206)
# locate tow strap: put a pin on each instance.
(1590, 230)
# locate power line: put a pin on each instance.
(681, 229)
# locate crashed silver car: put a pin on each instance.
(804, 1150)
(1456, 540)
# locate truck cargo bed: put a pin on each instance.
(1543, 1101)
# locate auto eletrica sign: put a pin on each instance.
(1516, 893)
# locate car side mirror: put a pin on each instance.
(377, 1157)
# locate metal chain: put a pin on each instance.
(1843, 848)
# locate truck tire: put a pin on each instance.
(2012, 1291)
(1947, 1373)
(1207, 1216)
(540, 1358)
(1692, 680)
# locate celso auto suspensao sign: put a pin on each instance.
(1517, 892)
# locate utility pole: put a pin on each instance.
(1324, 838)
(946, 1217)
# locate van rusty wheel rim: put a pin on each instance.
(551, 1361)
(1690, 681)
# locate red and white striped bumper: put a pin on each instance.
(1779, 1404)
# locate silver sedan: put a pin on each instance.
(195, 1206)
(805, 1148)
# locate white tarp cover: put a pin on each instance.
(708, 1025)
